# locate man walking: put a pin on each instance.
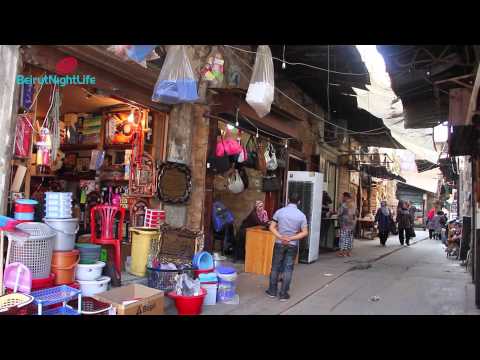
(289, 225)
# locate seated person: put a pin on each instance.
(258, 216)
(454, 240)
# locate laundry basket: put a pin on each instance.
(164, 279)
(15, 304)
(35, 251)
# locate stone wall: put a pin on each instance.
(240, 204)
(9, 61)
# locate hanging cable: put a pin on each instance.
(328, 83)
(298, 63)
(349, 132)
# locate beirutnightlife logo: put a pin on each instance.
(64, 68)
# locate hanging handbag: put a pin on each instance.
(244, 177)
(282, 158)
(235, 183)
(219, 164)
(270, 158)
(243, 156)
(251, 160)
(261, 163)
(270, 184)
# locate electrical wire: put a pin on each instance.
(310, 112)
(299, 63)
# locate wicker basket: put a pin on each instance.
(164, 279)
(15, 304)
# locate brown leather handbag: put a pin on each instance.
(261, 163)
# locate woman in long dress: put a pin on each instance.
(383, 219)
(347, 218)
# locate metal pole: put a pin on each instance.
(475, 234)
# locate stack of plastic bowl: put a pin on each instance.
(58, 215)
(25, 209)
(90, 278)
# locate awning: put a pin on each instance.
(380, 172)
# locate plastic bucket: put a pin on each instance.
(24, 208)
(66, 230)
(189, 305)
(211, 289)
(24, 216)
(93, 287)
(39, 284)
(197, 272)
(89, 253)
(63, 265)
(203, 260)
(89, 272)
(141, 241)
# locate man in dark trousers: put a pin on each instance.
(289, 225)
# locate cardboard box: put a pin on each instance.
(151, 300)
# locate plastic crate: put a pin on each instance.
(62, 310)
(164, 279)
(91, 306)
(15, 304)
(55, 295)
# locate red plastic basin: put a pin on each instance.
(24, 208)
(39, 284)
(188, 305)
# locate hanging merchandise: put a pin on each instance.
(235, 183)
(252, 156)
(27, 94)
(228, 145)
(270, 158)
(221, 216)
(261, 161)
(176, 82)
(244, 176)
(233, 76)
(260, 93)
(137, 53)
(219, 164)
(282, 158)
(23, 136)
(43, 150)
(213, 70)
(270, 183)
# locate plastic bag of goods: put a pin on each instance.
(261, 89)
(176, 82)
(137, 53)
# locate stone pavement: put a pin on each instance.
(311, 280)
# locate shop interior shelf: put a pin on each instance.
(62, 310)
(55, 295)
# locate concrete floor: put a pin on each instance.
(415, 280)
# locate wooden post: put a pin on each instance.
(209, 188)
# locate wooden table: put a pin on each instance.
(259, 245)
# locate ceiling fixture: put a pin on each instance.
(283, 63)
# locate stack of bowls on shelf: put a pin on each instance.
(58, 215)
(89, 270)
(25, 209)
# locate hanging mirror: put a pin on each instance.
(174, 184)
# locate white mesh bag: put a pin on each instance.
(261, 88)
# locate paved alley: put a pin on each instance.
(395, 280)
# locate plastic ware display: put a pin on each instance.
(92, 287)
(88, 272)
(260, 94)
(55, 295)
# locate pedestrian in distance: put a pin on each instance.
(383, 218)
(404, 221)
(412, 210)
(430, 215)
(289, 225)
(347, 218)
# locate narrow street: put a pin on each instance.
(415, 280)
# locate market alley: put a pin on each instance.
(415, 280)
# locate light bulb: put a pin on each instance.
(284, 65)
(286, 144)
(256, 134)
(131, 117)
(237, 124)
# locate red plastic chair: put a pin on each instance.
(107, 237)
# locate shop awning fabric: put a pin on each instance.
(380, 172)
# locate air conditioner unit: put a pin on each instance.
(309, 187)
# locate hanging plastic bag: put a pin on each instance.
(137, 53)
(213, 69)
(270, 158)
(176, 82)
(235, 183)
(261, 89)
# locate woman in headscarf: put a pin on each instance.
(383, 219)
(258, 216)
(347, 218)
(404, 221)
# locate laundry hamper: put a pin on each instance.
(35, 251)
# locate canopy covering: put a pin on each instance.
(380, 100)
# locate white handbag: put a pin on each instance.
(270, 158)
(243, 156)
(235, 183)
